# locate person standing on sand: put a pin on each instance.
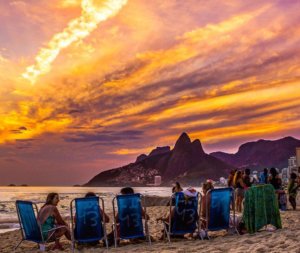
(239, 190)
(274, 179)
(292, 190)
(230, 178)
(208, 185)
(49, 217)
(263, 179)
(247, 179)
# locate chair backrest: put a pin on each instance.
(218, 205)
(88, 220)
(130, 216)
(185, 216)
(28, 222)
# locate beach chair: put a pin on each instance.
(129, 221)
(87, 224)
(183, 217)
(30, 228)
(218, 210)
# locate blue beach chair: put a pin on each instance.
(88, 225)
(129, 222)
(184, 218)
(218, 209)
(30, 229)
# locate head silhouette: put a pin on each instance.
(127, 190)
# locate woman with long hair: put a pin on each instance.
(239, 190)
(49, 217)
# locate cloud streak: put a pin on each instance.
(76, 30)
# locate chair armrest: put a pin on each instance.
(55, 228)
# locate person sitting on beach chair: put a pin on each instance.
(217, 210)
(88, 223)
(128, 220)
(93, 217)
(104, 216)
(49, 217)
(183, 217)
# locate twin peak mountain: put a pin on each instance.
(190, 165)
(186, 162)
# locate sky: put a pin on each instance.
(87, 86)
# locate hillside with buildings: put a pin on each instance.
(187, 163)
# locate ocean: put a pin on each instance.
(8, 196)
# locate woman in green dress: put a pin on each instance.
(50, 218)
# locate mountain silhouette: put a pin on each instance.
(262, 153)
(187, 163)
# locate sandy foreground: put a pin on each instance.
(283, 240)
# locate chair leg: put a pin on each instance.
(167, 233)
(18, 244)
(105, 235)
(115, 234)
(149, 239)
(73, 246)
(147, 233)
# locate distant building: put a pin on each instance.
(298, 156)
(292, 165)
(285, 174)
(157, 180)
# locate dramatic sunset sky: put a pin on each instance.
(89, 85)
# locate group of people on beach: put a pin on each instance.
(49, 216)
(241, 181)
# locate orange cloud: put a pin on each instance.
(77, 29)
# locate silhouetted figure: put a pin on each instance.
(263, 179)
(177, 188)
(247, 179)
(127, 190)
(292, 190)
(274, 179)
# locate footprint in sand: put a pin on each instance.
(261, 250)
(248, 241)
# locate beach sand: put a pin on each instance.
(282, 240)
